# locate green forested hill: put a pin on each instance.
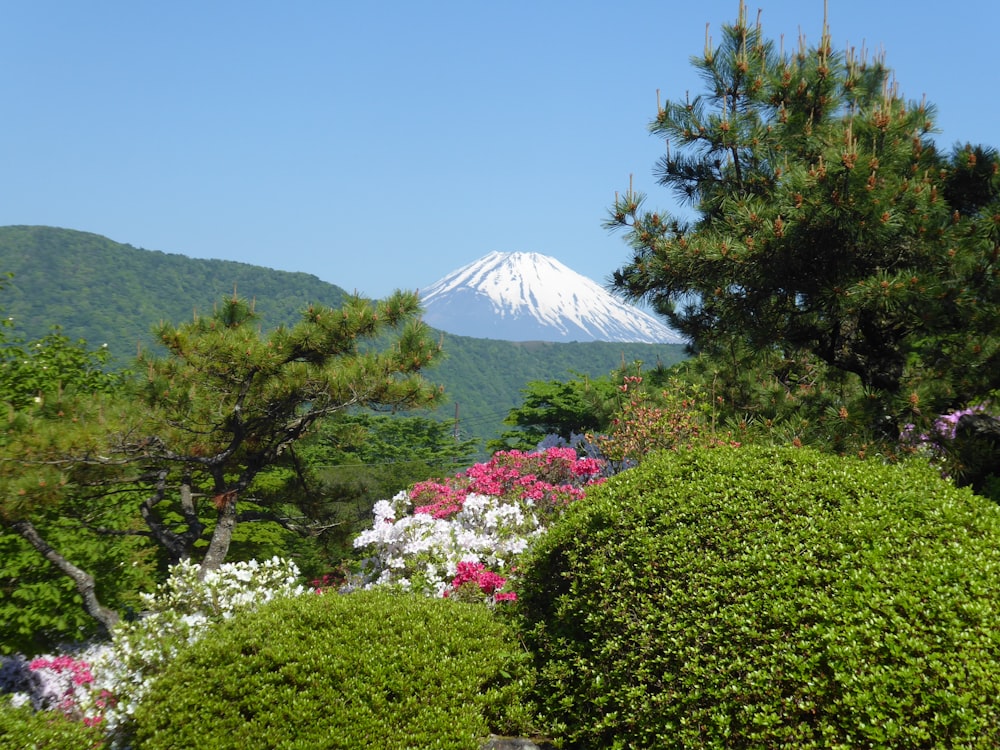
(104, 291)
(485, 377)
(107, 292)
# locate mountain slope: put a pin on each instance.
(105, 291)
(533, 297)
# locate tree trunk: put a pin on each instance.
(83, 580)
(222, 536)
(190, 513)
(178, 546)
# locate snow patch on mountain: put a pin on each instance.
(534, 297)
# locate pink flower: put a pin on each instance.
(65, 676)
(79, 670)
(438, 499)
(551, 478)
(488, 582)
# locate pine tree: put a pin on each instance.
(827, 222)
(224, 403)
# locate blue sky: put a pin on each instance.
(382, 145)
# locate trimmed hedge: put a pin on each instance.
(24, 729)
(372, 669)
(766, 597)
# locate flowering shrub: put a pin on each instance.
(970, 459)
(548, 479)
(106, 682)
(178, 613)
(330, 581)
(418, 551)
(473, 581)
(56, 680)
(464, 533)
(63, 684)
(941, 432)
(582, 443)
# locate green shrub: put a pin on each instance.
(371, 669)
(24, 729)
(769, 597)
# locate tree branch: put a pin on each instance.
(177, 545)
(84, 581)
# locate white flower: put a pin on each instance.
(418, 547)
(19, 699)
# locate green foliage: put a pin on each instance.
(765, 597)
(176, 615)
(223, 380)
(624, 416)
(828, 223)
(182, 448)
(30, 371)
(40, 608)
(356, 459)
(381, 439)
(651, 419)
(790, 399)
(52, 505)
(55, 391)
(47, 386)
(371, 669)
(25, 729)
(486, 378)
(335, 475)
(564, 408)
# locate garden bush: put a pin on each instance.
(371, 669)
(769, 597)
(24, 729)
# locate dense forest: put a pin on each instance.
(107, 292)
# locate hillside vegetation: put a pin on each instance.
(107, 292)
(485, 377)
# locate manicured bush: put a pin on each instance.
(372, 669)
(769, 597)
(25, 729)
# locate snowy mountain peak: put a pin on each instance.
(534, 297)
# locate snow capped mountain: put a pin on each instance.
(532, 297)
